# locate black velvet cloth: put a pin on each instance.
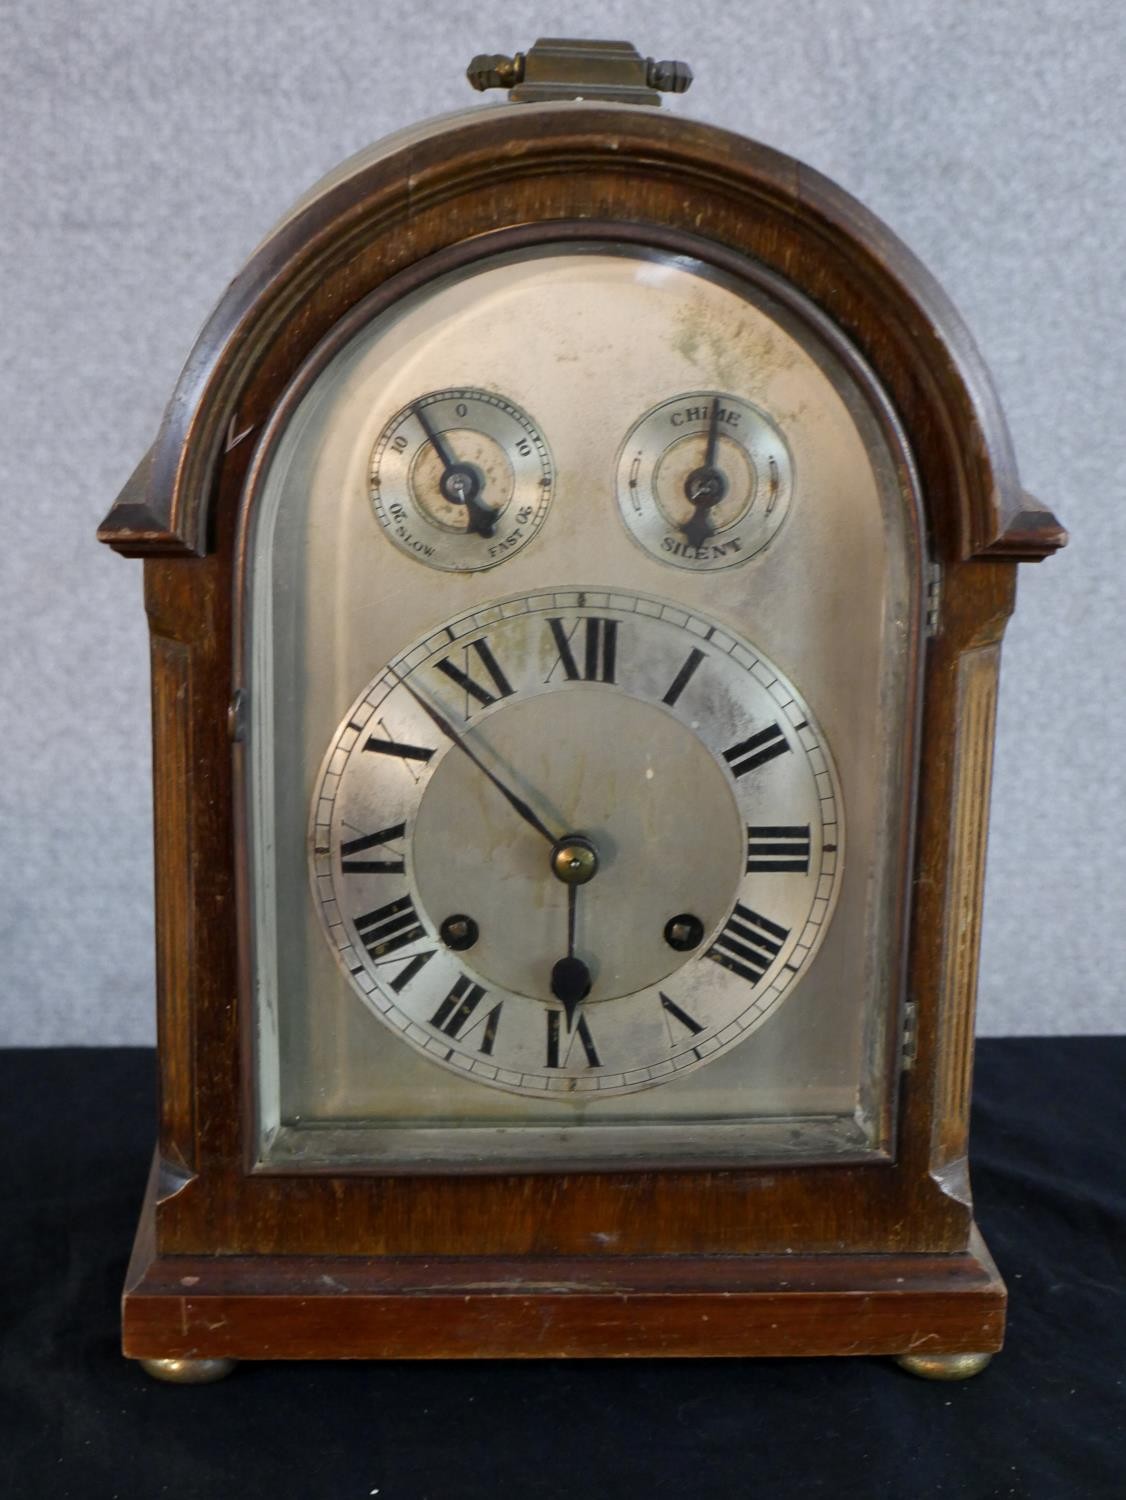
(1046, 1420)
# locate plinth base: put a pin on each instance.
(216, 1308)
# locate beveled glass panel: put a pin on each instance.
(596, 392)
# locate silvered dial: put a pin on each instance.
(704, 481)
(576, 841)
(460, 479)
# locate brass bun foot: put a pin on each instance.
(187, 1371)
(943, 1366)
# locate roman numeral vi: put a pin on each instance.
(582, 1031)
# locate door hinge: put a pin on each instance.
(934, 597)
(909, 1047)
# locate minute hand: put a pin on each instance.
(713, 435)
(434, 437)
(460, 483)
(451, 733)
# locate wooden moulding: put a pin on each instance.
(1031, 535)
(549, 1307)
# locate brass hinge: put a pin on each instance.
(568, 68)
(934, 597)
(910, 1044)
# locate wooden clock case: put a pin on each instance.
(879, 1258)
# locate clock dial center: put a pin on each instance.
(662, 832)
(574, 860)
(684, 487)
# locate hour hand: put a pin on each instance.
(574, 860)
(570, 984)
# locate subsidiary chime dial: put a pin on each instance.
(704, 481)
(461, 479)
(576, 841)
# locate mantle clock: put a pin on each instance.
(576, 558)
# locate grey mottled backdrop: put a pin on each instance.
(146, 148)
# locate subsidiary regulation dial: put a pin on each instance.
(461, 479)
(704, 481)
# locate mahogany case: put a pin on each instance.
(878, 1257)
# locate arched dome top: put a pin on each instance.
(459, 176)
